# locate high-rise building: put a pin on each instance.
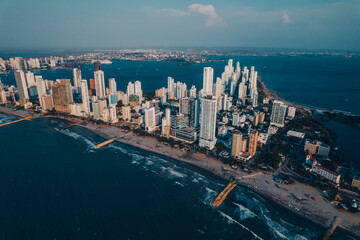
(126, 113)
(77, 79)
(171, 88)
(85, 96)
(30, 79)
(208, 79)
(150, 123)
(278, 113)
(138, 91)
(62, 95)
(236, 145)
(97, 66)
(46, 102)
(130, 89)
(92, 83)
(112, 85)
(40, 84)
(192, 92)
(253, 142)
(242, 90)
(208, 122)
(99, 84)
(21, 84)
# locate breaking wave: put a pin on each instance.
(244, 213)
(77, 137)
(233, 221)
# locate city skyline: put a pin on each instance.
(280, 24)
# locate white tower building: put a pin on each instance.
(208, 79)
(99, 84)
(208, 122)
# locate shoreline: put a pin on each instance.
(272, 95)
(259, 182)
(308, 209)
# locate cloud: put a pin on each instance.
(212, 18)
(286, 18)
(175, 12)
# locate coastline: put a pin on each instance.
(260, 182)
(256, 182)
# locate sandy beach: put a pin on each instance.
(320, 211)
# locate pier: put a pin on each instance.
(70, 125)
(19, 120)
(111, 140)
(332, 229)
(224, 193)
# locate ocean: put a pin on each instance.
(53, 185)
(325, 82)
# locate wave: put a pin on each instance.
(178, 183)
(233, 221)
(244, 213)
(172, 172)
(7, 118)
(195, 180)
(77, 137)
(120, 149)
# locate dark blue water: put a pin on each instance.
(54, 186)
(330, 82)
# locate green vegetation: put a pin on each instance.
(220, 146)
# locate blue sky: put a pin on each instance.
(316, 24)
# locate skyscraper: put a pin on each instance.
(97, 66)
(278, 113)
(62, 95)
(85, 96)
(40, 84)
(150, 119)
(112, 85)
(192, 92)
(253, 141)
(208, 122)
(77, 79)
(236, 145)
(30, 79)
(138, 90)
(208, 79)
(21, 84)
(171, 88)
(99, 84)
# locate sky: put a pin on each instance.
(105, 24)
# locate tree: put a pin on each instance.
(220, 146)
(119, 104)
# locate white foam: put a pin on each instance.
(172, 173)
(209, 190)
(195, 180)
(77, 137)
(245, 213)
(231, 220)
(120, 149)
(135, 162)
(178, 183)
(279, 230)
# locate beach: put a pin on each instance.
(320, 211)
